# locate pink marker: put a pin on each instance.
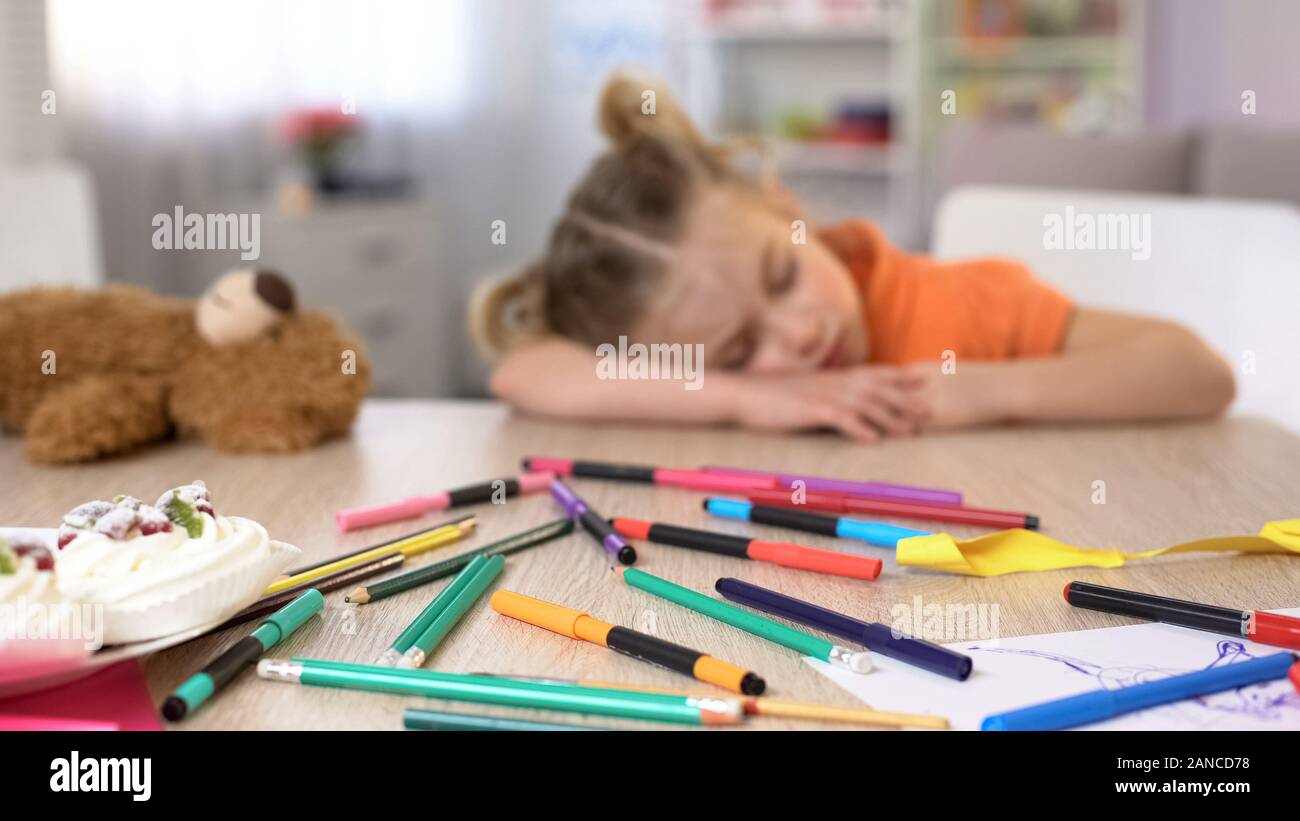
(690, 479)
(869, 490)
(358, 517)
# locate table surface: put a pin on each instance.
(1164, 483)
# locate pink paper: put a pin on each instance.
(118, 694)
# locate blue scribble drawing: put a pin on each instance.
(1264, 702)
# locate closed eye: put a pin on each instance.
(780, 270)
(735, 353)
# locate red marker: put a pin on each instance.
(691, 479)
(1266, 628)
(786, 554)
(840, 503)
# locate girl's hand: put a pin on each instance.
(862, 402)
(975, 393)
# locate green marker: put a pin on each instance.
(762, 627)
(406, 639)
(506, 692)
(414, 719)
(488, 570)
(222, 669)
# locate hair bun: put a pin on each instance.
(636, 104)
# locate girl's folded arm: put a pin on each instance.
(1120, 366)
(557, 377)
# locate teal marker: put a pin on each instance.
(470, 592)
(223, 669)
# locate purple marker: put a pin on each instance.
(870, 490)
(593, 523)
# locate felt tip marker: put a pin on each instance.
(874, 533)
(1100, 705)
(221, 670)
(786, 554)
(841, 503)
(578, 625)
(592, 522)
(1266, 628)
(878, 638)
(871, 490)
(414, 506)
(645, 474)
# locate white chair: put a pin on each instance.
(49, 233)
(1230, 269)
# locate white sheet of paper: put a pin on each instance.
(1013, 673)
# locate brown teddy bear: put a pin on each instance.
(88, 374)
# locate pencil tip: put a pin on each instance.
(360, 596)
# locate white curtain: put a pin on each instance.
(176, 103)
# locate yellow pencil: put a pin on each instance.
(413, 546)
(763, 706)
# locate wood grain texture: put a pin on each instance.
(1164, 484)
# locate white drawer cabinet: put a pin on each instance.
(378, 266)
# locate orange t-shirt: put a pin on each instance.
(917, 307)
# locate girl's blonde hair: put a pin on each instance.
(609, 250)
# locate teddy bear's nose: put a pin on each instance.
(274, 289)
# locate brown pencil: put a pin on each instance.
(269, 604)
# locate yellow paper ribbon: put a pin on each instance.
(1015, 551)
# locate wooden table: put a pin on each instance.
(1163, 484)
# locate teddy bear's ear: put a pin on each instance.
(274, 289)
(242, 305)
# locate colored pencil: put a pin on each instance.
(368, 548)
(325, 584)
(578, 625)
(358, 517)
(749, 622)
(426, 616)
(1266, 628)
(878, 638)
(438, 570)
(786, 554)
(870, 490)
(489, 690)
(592, 522)
(873, 533)
(841, 503)
(645, 474)
(772, 707)
(413, 546)
(1100, 705)
(413, 719)
(221, 670)
(454, 610)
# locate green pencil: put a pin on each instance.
(472, 591)
(749, 622)
(446, 567)
(406, 639)
(414, 719)
(507, 692)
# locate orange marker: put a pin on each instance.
(578, 625)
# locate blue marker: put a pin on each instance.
(875, 533)
(1100, 705)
